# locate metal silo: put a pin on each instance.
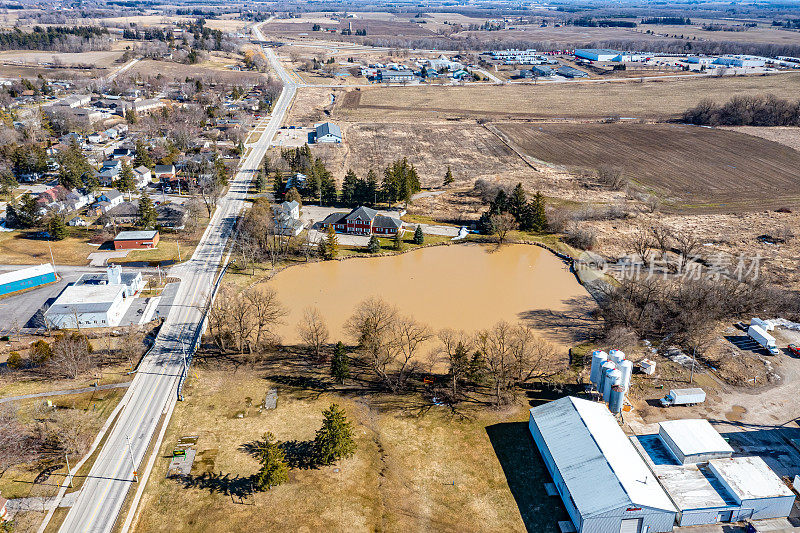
(613, 377)
(598, 358)
(605, 367)
(616, 355)
(626, 367)
(616, 399)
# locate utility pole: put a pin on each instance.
(691, 374)
(178, 242)
(52, 262)
(69, 470)
(130, 454)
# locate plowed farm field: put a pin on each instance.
(691, 168)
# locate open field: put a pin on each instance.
(657, 99)
(787, 135)
(761, 34)
(418, 467)
(469, 149)
(104, 59)
(215, 71)
(17, 247)
(688, 166)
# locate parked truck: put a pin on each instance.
(763, 338)
(683, 397)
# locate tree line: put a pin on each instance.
(670, 21)
(49, 38)
(744, 110)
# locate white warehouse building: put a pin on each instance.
(604, 483)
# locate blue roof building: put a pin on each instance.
(27, 278)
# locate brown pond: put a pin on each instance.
(465, 287)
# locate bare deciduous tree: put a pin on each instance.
(502, 223)
(313, 331)
(455, 349)
(71, 356)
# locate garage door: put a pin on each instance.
(631, 525)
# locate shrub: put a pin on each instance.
(15, 361)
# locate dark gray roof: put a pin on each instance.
(334, 218)
(387, 222)
(327, 128)
(364, 213)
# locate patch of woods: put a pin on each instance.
(56, 38)
(391, 351)
(744, 110)
(512, 211)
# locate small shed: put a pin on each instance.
(758, 491)
(693, 440)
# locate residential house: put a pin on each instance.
(363, 221)
(298, 181)
(140, 107)
(114, 198)
(96, 138)
(76, 100)
(164, 173)
(122, 152)
(143, 176)
(123, 213)
(108, 177)
(77, 222)
(287, 219)
(171, 216)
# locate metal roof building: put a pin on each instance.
(604, 483)
(758, 491)
(26, 278)
(693, 440)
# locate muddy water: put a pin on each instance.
(462, 287)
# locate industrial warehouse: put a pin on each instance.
(684, 475)
(95, 300)
(26, 278)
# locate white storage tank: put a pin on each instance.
(616, 399)
(617, 356)
(598, 358)
(605, 367)
(613, 377)
(626, 368)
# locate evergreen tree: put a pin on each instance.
(274, 469)
(538, 212)
(350, 189)
(147, 212)
(500, 203)
(57, 228)
(328, 193)
(517, 201)
(374, 245)
(419, 237)
(371, 189)
(331, 243)
(334, 440)
(400, 181)
(126, 182)
(261, 182)
(448, 177)
(73, 166)
(340, 366)
(485, 225)
(26, 214)
(397, 242)
(141, 155)
(278, 185)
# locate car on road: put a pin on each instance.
(795, 349)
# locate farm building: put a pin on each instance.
(27, 278)
(395, 76)
(597, 54)
(136, 240)
(603, 481)
(705, 493)
(327, 133)
(95, 300)
(693, 440)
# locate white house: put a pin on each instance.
(76, 222)
(327, 133)
(142, 175)
(287, 219)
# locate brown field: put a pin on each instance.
(762, 34)
(469, 149)
(688, 166)
(26, 57)
(657, 99)
(416, 469)
(787, 135)
(180, 71)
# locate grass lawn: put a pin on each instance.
(19, 247)
(418, 467)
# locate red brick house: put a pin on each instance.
(136, 240)
(362, 221)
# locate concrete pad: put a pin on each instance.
(100, 258)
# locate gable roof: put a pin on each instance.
(365, 213)
(382, 221)
(586, 443)
(334, 218)
(326, 128)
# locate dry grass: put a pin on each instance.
(180, 71)
(96, 59)
(18, 247)
(662, 98)
(416, 469)
(787, 135)
(690, 167)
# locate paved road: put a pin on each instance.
(153, 391)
